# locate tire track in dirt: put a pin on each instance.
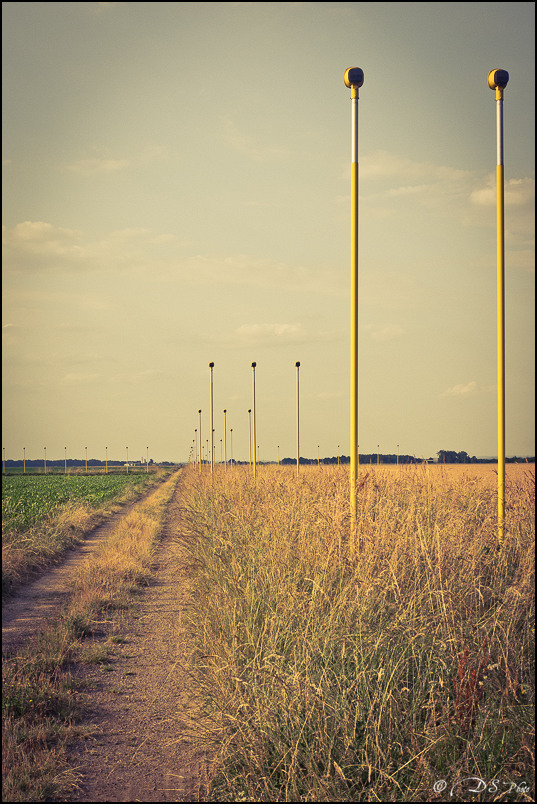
(39, 600)
(142, 716)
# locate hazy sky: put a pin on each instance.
(176, 185)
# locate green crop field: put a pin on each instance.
(28, 500)
(43, 515)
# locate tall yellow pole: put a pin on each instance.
(211, 366)
(231, 447)
(24, 460)
(65, 458)
(106, 460)
(497, 80)
(199, 414)
(297, 364)
(45, 459)
(354, 78)
(250, 436)
(86, 450)
(147, 460)
(225, 441)
(253, 409)
(127, 460)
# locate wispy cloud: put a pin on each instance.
(461, 390)
(93, 165)
(247, 145)
(79, 378)
(384, 333)
(518, 192)
(269, 333)
(387, 165)
(31, 239)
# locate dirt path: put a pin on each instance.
(41, 599)
(140, 703)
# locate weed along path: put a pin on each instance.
(142, 721)
(39, 600)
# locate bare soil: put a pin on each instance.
(141, 735)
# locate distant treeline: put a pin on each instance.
(450, 456)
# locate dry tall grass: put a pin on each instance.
(370, 680)
(38, 704)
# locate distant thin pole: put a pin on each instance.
(225, 441)
(297, 364)
(211, 366)
(253, 409)
(201, 448)
(250, 436)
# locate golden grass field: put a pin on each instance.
(391, 676)
(387, 678)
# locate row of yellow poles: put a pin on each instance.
(252, 453)
(497, 81)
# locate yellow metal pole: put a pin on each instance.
(225, 442)
(45, 460)
(127, 460)
(253, 408)
(231, 447)
(24, 460)
(497, 80)
(65, 459)
(147, 460)
(354, 78)
(297, 364)
(86, 449)
(250, 436)
(199, 414)
(211, 366)
(106, 460)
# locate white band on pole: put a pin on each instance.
(354, 145)
(499, 131)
